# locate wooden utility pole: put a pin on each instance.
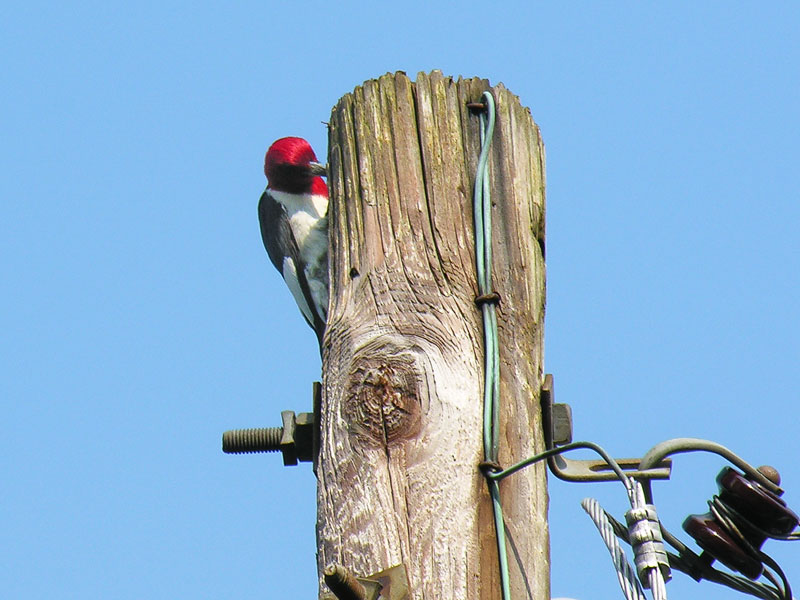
(402, 402)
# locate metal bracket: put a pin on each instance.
(393, 583)
(389, 584)
(557, 425)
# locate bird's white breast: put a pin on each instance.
(313, 204)
(307, 215)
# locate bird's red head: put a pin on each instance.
(291, 166)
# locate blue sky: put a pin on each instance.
(141, 317)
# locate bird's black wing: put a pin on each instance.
(276, 233)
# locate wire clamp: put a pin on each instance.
(644, 531)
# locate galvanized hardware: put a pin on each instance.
(562, 424)
(344, 585)
(490, 298)
(297, 439)
(393, 582)
(644, 535)
(557, 424)
(294, 439)
(389, 584)
(680, 445)
(239, 441)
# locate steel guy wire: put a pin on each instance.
(630, 585)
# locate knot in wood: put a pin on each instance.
(383, 400)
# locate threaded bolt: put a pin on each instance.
(295, 439)
(343, 584)
(242, 441)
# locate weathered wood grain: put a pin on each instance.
(402, 356)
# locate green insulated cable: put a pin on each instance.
(482, 209)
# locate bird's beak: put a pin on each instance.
(317, 169)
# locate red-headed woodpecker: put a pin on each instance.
(293, 212)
